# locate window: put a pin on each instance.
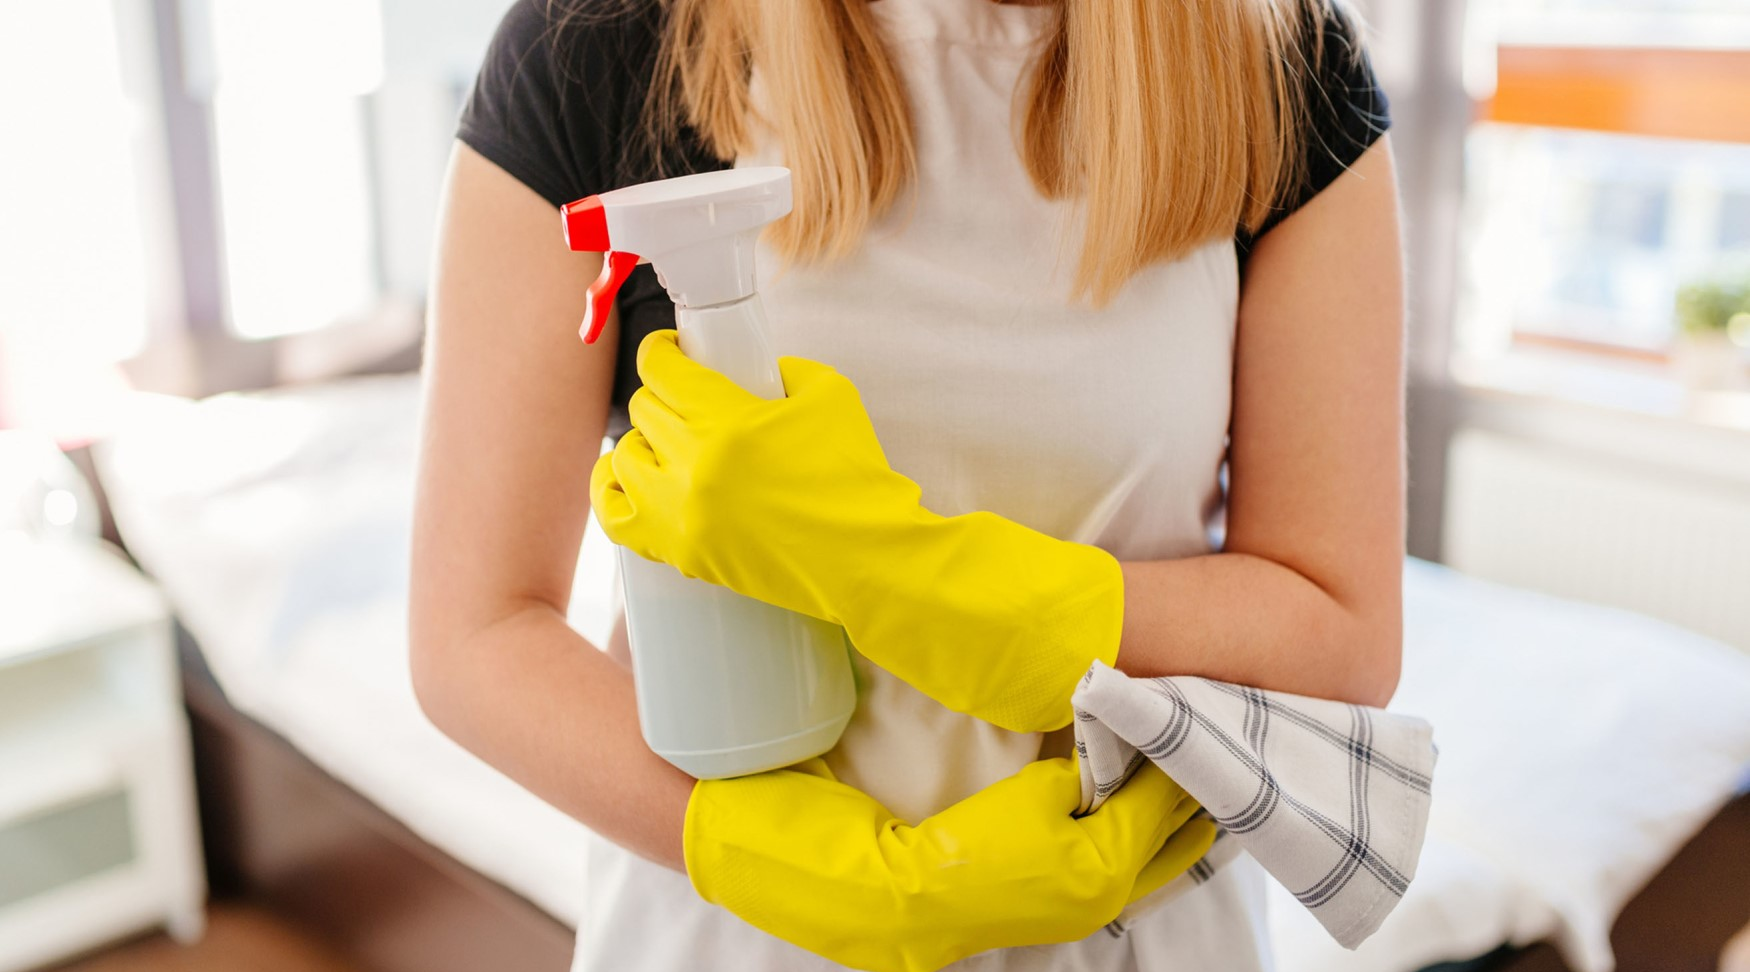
(287, 86)
(214, 174)
(71, 251)
(1642, 24)
(1586, 237)
(1610, 167)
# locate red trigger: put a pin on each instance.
(616, 267)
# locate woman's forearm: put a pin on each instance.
(1308, 596)
(1245, 619)
(530, 696)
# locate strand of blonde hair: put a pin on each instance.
(1173, 122)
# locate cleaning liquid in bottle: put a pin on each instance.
(727, 685)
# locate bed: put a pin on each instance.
(1590, 789)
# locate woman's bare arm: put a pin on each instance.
(1306, 595)
(515, 407)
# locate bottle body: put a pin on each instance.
(728, 685)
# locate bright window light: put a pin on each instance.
(1622, 23)
(1588, 236)
(293, 168)
(71, 256)
(296, 204)
(334, 46)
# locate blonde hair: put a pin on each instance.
(1174, 122)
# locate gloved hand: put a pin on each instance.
(827, 868)
(792, 502)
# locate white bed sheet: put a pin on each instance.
(1579, 746)
(278, 524)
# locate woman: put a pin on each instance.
(1055, 264)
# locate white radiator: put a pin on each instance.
(1636, 535)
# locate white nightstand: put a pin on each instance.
(98, 833)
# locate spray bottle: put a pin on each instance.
(727, 685)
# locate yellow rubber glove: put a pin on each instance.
(792, 502)
(827, 868)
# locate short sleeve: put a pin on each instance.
(559, 104)
(1346, 110)
(558, 96)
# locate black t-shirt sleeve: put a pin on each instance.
(558, 104)
(558, 95)
(1346, 111)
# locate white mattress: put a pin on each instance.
(278, 525)
(1579, 746)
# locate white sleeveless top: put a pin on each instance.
(993, 391)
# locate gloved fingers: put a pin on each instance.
(620, 483)
(803, 376)
(1184, 848)
(1134, 822)
(816, 381)
(636, 468)
(632, 452)
(659, 423)
(1048, 788)
(1055, 784)
(686, 386)
(1150, 791)
(613, 508)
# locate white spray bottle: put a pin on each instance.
(727, 685)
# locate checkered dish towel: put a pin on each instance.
(1331, 798)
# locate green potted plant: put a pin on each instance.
(1713, 329)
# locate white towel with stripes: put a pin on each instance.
(1330, 798)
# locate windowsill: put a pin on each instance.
(1617, 411)
(1623, 29)
(1627, 388)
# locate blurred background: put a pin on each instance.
(215, 225)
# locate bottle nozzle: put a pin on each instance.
(699, 231)
(586, 225)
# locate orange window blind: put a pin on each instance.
(1635, 91)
